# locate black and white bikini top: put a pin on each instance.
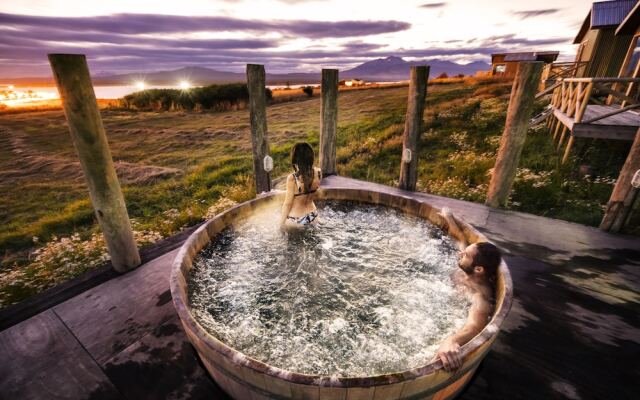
(299, 186)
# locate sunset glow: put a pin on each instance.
(21, 98)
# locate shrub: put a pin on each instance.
(212, 97)
(308, 90)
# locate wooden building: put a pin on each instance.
(506, 64)
(602, 99)
(600, 49)
(630, 26)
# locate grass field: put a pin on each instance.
(178, 167)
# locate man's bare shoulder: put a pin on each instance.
(481, 301)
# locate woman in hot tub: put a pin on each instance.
(298, 208)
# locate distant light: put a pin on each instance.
(184, 85)
(11, 87)
(140, 85)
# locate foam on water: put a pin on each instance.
(365, 291)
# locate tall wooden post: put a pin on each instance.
(87, 132)
(328, 121)
(623, 195)
(258, 116)
(418, 78)
(515, 132)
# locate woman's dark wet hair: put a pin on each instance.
(488, 256)
(302, 161)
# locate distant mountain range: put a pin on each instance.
(382, 69)
(395, 68)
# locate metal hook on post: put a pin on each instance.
(406, 156)
(635, 181)
(267, 163)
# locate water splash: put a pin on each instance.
(364, 291)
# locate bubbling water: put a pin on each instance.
(364, 291)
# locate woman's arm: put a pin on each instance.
(288, 200)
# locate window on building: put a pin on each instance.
(501, 68)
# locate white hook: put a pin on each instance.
(635, 182)
(268, 163)
(406, 156)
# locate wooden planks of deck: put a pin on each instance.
(573, 331)
(621, 126)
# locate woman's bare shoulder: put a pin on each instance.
(290, 180)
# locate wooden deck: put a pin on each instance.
(573, 331)
(621, 126)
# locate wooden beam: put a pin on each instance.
(597, 131)
(567, 150)
(418, 78)
(616, 93)
(72, 77)
(582, 99)
(603, 80)
(548, 90)
(555, 132)
(328, 121)
(258, 118)
(623, 195)
(563, 118)
(515, 132)
(561, 140)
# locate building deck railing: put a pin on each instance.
(583, 101)
(561, 70)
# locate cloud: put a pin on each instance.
(433, 5)
(124, 43)
(499, 37)
(538, 42)
(360, 46)
(535, 13)
(36, 36)
(523, 43)
(157, 23)
(128, 42)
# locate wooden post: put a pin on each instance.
(258, 117)
(418, 78)
(623, 195)
(555, 133)
(515, 132)
(72, 77)
(582, 99)
(328, 121)
(561, 140)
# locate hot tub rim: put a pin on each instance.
(240, 359)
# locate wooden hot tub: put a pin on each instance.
(245, 378)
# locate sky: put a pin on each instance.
(285, 35)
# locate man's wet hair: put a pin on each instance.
(488, 256)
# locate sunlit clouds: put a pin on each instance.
(286, 36)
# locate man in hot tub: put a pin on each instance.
(479, 264)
